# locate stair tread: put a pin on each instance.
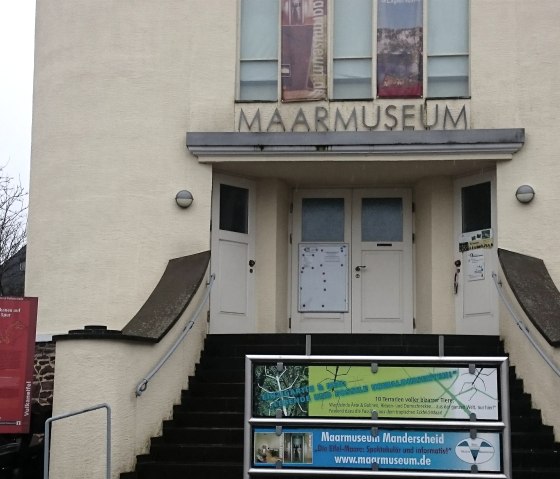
(217, 389)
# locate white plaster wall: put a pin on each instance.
(90, 372)
(117, 86)
(516, 83)
(435, 311)
(273, 201)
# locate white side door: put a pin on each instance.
(476, 307)
(232, 302)
(382, 295)
(321, 262)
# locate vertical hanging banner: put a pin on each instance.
(399, 48)
(304, 50)
(18, 318)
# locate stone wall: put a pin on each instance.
(43, 374)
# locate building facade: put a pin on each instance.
(354, 165)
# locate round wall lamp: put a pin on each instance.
(525, 194)
(184, 198)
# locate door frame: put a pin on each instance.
(345, 322)
(482, 323)
(406, 323)
(317, 322)
(230, 323)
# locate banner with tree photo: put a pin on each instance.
(304, 50)
(399, 48)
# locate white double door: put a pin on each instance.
(352, 261)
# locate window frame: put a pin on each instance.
(331, 59)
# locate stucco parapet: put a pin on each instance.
(535, 292)
(163, 308)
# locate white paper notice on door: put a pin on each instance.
(323, 277)
(475, 265)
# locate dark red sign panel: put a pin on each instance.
(18, 319)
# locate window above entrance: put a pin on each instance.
(298, 50)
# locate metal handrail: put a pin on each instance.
(143, 384)
(75, 413)
(523, 327)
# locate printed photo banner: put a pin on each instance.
(304, 50)
(399, 48)
(18, 318)
(405, 392)
(390, 449)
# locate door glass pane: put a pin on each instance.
(234, 209)
(322, 219)
(382, 219)
(476, 207)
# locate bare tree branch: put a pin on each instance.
(13, 220)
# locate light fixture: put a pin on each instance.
(525, 194)
(184, 198)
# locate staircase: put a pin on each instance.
(204, 439)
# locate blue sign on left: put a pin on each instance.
(405, 450)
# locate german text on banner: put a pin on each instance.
(404, 392)
(18, 318)
(304, 50)
(389, 449)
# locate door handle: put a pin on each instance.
(456, 279)
(251, 263)
(359, 268)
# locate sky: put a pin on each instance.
(17, 25)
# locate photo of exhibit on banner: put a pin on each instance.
(393, 392)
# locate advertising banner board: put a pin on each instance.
(18, 318)
(390, 449)
(349, 391)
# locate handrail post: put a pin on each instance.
(47, 440)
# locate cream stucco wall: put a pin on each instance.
(516, 81)
(117, 85)
(272, 258)
(434, 256)
(90, 372)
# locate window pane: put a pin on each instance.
(476, 206)
(382, 219)
(400, 46)
(322, 219)
(352, 79)
(448, 76)
(448, 27)
(258, 80)
(352, 28)
(234, 209)
(259, 30)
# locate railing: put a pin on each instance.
(522, 326)
(76, 413)
(143, 384)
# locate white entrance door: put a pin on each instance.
(382, 261)
(232, 304)
(475, 255)
(352, 261)
(321, 236)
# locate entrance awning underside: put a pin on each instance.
(495, 143)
